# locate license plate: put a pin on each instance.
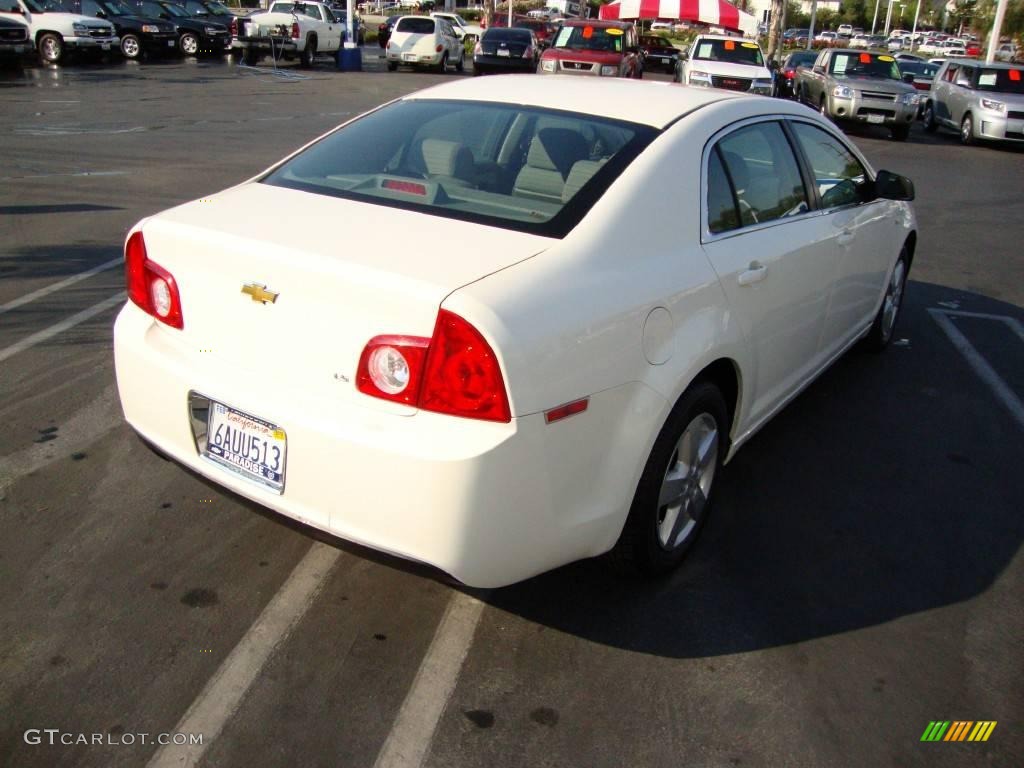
(504, 52)
(19, 48)
(876, 118)
(247, 445)
(408, 57)
(104, 46)
(170, 43)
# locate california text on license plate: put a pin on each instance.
(876, 118)
(247, 445)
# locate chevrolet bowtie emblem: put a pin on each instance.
(259, 293)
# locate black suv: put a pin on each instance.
(196, 34)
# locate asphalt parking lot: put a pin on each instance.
(862, 575)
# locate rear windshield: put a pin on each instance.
(864, 65)
(498, 33)
(1001, 80)
(734, 51)
(520, 168)
(590, 39)
(415, 26)
(312, 11)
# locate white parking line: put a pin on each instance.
(981, 366)
(220, 699)
(58, 328)
(45, 291)
(412, 733)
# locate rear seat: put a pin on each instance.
(582, 172)
(552, 154)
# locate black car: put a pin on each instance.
(139, 34)
(506, 50)
(785, 76)
(211, 10)
(15, 42)
(195, 34)
(659, 53)
(384, 30)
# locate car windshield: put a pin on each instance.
(801, 59)
(415, 25)
(32, 5)
(113, 7)
(864, 65)
(1001, 80)
(589, 38)
(504, 165)
(502, 33)
(732, 51)
(174, 10)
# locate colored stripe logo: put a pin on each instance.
(958, 730)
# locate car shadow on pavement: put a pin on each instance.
(891, 486)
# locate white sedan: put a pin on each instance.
(592, 293)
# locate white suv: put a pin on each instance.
(719, 61)
(56, 32)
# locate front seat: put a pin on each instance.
(552, 154)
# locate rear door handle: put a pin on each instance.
(755, 273)
(845, 237)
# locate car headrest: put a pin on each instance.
(556, 149)
(447, 158)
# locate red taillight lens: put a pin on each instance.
(391, 367)
(439, 48)
(528, 53)
(149, 285)
(462, 374)
(234, 26)
(295, 30)
(790, 74)
(478, 49)
(454, 372)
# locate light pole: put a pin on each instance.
(874, 21)
(993, 41)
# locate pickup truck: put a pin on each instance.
(57, 31)
(289, 29)
(858, 86)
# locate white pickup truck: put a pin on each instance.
(289, 29)
(55, 31)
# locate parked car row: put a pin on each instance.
(56, 28)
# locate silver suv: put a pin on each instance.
(981, 101)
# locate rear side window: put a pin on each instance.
(764, 174)
(722, 215)
(415, 26)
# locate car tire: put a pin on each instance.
(823, 108)
(442, 66)
(188, 44)
(899, 132)
(392, 66)
(882, 328)
(51, 48)
(251, 57)
(460, 65)
(308, 54)
(929, 118)
(131, 48)
(967, 130)
(681, 467)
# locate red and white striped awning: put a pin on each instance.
(717, 13)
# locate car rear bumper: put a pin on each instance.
(488, 503)
(503, 64)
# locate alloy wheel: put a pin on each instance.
(687, 484)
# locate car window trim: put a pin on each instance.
(706, 235)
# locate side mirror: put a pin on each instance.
(908, 77)
(892, 186)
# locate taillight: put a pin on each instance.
(478, 49)
(790, 74)
(391, 368)
(295, 30)
(528, 53)
(439, 48)
(454, 372)
(234, 26)
(149, 285)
